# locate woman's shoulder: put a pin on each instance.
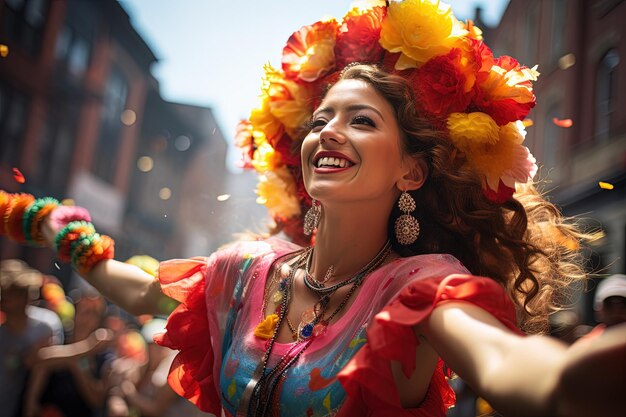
(251, 247)
(427, 266)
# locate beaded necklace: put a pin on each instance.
(265, 385)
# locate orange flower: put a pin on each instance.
(266, 328)
(309, 52)
(357, 40)
(420, 30)
(506, 92)
(285, 106)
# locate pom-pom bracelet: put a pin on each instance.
(33, 218)
(13, 215)
(72, 232)
(89, 250)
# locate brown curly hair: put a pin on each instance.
(525, 244)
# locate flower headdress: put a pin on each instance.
(478, 100)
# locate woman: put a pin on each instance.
(413, 204)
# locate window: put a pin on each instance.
(552, 138)
(557, 46)
(55, 153)
(13, 115)
(606, 93)
(23, 23)
(72, 51)
(113, 104)
(531, 32)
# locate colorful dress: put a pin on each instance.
(346, 370)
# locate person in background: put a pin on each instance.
(609, 301)
(150, 395)
(70, 380)
(23, 332)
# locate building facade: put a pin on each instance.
(81, 116)
(580, 48)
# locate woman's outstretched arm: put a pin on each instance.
(534, 375)
(128, 286)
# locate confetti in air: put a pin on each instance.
(562, 122)
(18, 176)
(605, 185)
(4, 50)
(527, 122)
(57, 266)
(223, 197)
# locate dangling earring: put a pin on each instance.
(312, 218)
(407, 228)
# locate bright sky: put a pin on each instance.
(211, 52)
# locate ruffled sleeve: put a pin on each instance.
(367, 378)
(187, 330)
(211, 292)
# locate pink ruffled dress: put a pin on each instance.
(343, 372)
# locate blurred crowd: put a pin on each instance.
(67, 352)
(75, 355)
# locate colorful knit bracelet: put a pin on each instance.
(33, 217)
(5, 202)
(90, 250)
(71, 233)
(13, 215)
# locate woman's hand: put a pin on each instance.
(59, 218)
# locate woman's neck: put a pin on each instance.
(348, 237)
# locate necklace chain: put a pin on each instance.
(319, 288)
(267, 382)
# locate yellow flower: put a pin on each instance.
(470, 130)
(277, 191)
(265, 158)
(263, 120)
(473, 31)
(266, 328)
(420, 30)
(505, 160)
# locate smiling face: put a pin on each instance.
(353, 150)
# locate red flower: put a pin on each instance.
(284, 146)
(503, 194)
(483, 57)
(357, 40)
(441, 85)
(502, 111)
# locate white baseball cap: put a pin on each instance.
(612, 286)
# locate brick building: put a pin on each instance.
(79, 109)
(580, 47)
